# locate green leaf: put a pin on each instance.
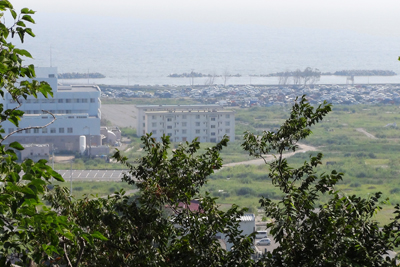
(13, 13)
(56, 176)
(98, 235)
(28, 18)
(27, 11)
(16, 146)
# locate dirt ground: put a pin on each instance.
(119, 115)
(268, 158)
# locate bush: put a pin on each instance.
(355, 185)
(79, 188)
(246, 181)
(395, 190)
(245, 191)
(361, 175)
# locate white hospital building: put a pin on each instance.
(77, 112)
(208, 123)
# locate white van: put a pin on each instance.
(261, 234)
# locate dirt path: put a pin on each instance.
(302, 149)
(361, 130)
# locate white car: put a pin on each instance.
(264, 242)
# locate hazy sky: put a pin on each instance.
(368, 16)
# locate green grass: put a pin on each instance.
(369, 165)
(95, 189)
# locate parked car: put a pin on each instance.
(261, 234)
(264, 242)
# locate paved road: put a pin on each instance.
(92, 175)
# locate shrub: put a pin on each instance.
(245, 191)
(395, 190)
(361, 175)
(79, 188)
(355, 185)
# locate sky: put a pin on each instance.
(366, 16)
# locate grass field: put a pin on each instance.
(369, 163)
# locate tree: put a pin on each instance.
(138, 231)
(29, 231)
(340, 232)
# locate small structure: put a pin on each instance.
(35, 152)
(247, 227)
(110, 135)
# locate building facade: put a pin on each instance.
(77, 112)
(207, 123)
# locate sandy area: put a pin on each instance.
(119, 115)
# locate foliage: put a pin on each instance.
(139, 231)
(339, 232)
(29, 231)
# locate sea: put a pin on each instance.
(131, 51)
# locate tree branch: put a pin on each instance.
(80, 254)
(31, 127)
(66, 256)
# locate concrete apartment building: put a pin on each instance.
(209, 123)
(77, 112)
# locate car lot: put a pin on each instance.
(92, 175)
(263, 248)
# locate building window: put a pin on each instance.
(227, 130)
(52, 130)
(61, 130)
(68, 111)
(169, 119)
(154, 124)
(68, 100)
(212, 119)
(213, 134)
(197, 116)
(212, 126)
(197, 123)
(197, 131)
(184, 131)
(44, 101)
(36, 131)
(28, 131)
(44, 130)
(227, 123)
(92, 100)
(184, 124)
(227, 116)
(184, 116)
(169, 127)
(213, 140)
(154, 132)
(60, 100)
(153, 117)
(52, 100)
(84, 100)
(10, 130)
(169, 134)
(69, 130)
